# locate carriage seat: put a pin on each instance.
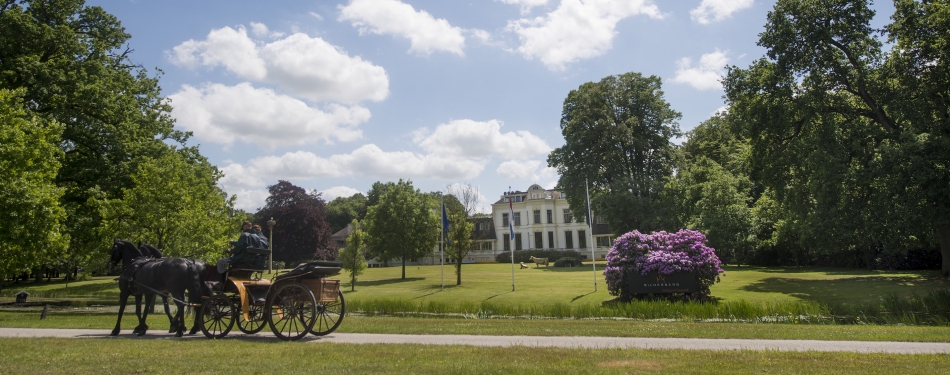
(256, 263)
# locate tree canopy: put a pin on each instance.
(352, 256)
(617, 136)
(403, 225)
(341, 211)
(302, 232)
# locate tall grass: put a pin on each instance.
(930, 309)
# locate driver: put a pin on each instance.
(237, 251)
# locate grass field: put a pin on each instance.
(98, 356)
(744, 294)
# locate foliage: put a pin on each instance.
(31, 228)
(467, 195)
(73, 64)
(525, 255)
(301, 231)
(402, 225)
(617, 136)
(352, 255)
(568, 262)
(664, 253)
(460, 241)
(175, 205)
(343, 210)
(851, 140)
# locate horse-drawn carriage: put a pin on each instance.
(293, 303)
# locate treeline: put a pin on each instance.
(88, 150)
(834, 149)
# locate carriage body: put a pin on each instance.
(293, 304)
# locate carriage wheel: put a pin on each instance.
(256, 322)
(329, 316)
(291, 311)
(217, 316)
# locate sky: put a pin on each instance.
(336, 95)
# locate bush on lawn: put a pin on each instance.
(525, 255)
(568, 262)
(661, 252)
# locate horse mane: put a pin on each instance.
(152, 251)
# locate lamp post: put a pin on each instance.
(270, 246)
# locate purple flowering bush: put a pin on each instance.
(661, 252)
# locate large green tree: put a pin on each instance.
(176, 205)
(31, 228)
(460, 241)
(402, 225)
(302, 232)
(73, 63)
(617, 135)
(851, 140)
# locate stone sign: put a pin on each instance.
(654, 282)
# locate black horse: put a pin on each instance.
(148, 276)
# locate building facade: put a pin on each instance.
(543, 219)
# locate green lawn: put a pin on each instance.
(104, 356)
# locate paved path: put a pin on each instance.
(539, 341)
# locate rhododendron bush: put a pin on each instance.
(664, 253)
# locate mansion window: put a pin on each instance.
(551, 240)
(550, 217)
(537, 216)
(518, 241)
(504, 220)
(568, 216)
(582, 239)
(604, 241)
(538, 241)
(517, 219)
(599, 219)
(507, 240)
(568, 239)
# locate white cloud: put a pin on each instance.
(339, 191)
(237, 177)
(316, 15)
(526, 5)
(227, 47)
(223, 114)
(309, 67)
(706, 74)
(532, 170)
(249, 200)
(576, 30)
(260, 30)
(479, 139)
(426, 33)
(717, 10)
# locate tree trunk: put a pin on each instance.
(942, 230)
(403, 268)
(458, 273)
(38, 276)
(353, 282)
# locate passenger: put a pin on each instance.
(237, 251)
(261, 237)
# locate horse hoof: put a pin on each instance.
(192, 332)
(142, 333)
(114, 333)
(171, 330)
(179, 334)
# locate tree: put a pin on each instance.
(403, 225)
(175, 205)
(851, 140)
(352, 255)
(31, 228)
(467, 195)
(460, 241)
(617, 136)
(74, 67)
(343, 210)
(302, 232)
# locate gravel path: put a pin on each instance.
(539, 341)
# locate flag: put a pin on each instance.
(445, 224)
(511, 217)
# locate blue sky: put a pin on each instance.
(335, 95)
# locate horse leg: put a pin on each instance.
(168, 312)
(138, 313)
(123, 298)
(149, 304)
(180, 316)
(198, 322)
(142, 314)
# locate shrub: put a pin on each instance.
(525, 255)
(664, 253)
(568, 262)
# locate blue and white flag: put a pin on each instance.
(511, 216)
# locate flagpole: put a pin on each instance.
(442, 244)
(590, 227)
(511, 237)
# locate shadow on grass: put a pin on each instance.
(388, 281)
(499, 294)
(850, 290)
(584, 268)
(581, 296)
